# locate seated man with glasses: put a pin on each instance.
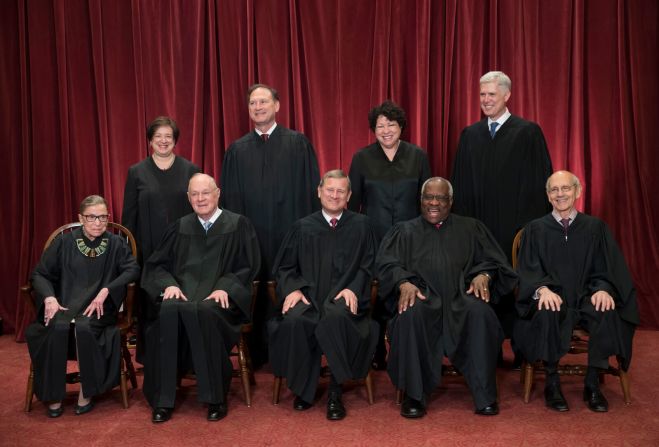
(446, 269)
(200, 280)
(572, 272)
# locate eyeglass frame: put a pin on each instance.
(564, 189)
(437, 197)
(91, 218)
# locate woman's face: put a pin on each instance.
(162, 141)
(94, 220)
(387, 132)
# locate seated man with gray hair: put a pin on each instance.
(323, 272)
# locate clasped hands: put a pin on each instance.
(219, 296)
(296, 296)
(551, 301)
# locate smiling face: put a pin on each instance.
(436, 202)
(387, 132)
(562, 192)
(262, 108)
(95, 228)
(493, 100)
(334, 195)
(162, 141)
(203, 195)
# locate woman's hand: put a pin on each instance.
(97, 304)
(52, 306)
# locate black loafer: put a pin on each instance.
(78, 410)
(595, 400)
(554, 398)
(217, 412)
(335, 409)
(55, 412)
(300, 405)
(412, 408)
(161, 414)
(490, 410)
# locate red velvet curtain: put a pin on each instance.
(81, 78)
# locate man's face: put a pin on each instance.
(262, 107)
(95, 213)
(387, 132)
(203, 196)
(493, 100)
(162, 141)
(436, 202)
(562, 192)
(334, 195)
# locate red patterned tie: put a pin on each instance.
(264, 137)
(333, 222)
(438, 225)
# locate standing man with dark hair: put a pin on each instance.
(499, 174)
(269, 175)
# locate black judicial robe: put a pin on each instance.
(75, 280)
(272, 183)
(387, 191)
(320, 262)
(588, 261)
(501, 181)
(441, 263)
(227, 258)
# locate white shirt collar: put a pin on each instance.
(328, 217)
(502, 119)
(572, 216)
(213, 218)
(269, 132)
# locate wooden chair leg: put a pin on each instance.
(123, 385)
(244, 370)
(30, 390)
(276, 388)
(624, 383)
(369, 387)
(528, 381)
(399, 396)
(128, 360)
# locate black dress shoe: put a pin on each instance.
(78, 410)
(490, 410)
(335, 409)
(161, 414)
(554, 398)
(595, 400)
(217, 412)
(412, 408)
(55, 412)
(300, 405)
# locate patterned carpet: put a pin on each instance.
(450, 420)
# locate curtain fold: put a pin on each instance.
(82, 78)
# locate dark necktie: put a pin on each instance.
(566, 225)
(438, 225)
(493, 128)
(264, 137)
(333, 222)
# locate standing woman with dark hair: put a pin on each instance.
(156, 195)
(386, 180)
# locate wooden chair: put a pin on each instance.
(324, 371)
(578, 345)
(244, 368)
(125, 318)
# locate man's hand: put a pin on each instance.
(219, 296)
(97, 304)
(292, 299)
(549, 300)
(52, 306)
(602, 301)
(408, 295)
(173, 293)
(479, 287)
(351, 299)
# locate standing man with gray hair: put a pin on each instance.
(499, 174)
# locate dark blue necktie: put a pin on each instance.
(493, 128)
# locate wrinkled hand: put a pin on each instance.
(292, 299)
(52, 306)
(602, 301)
(549, 300)
(479, 287)
(351, 299)
(408, 295)
(219, 296)
(173, 292)
(97, 304)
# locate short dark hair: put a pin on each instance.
(389, 110)
(92, 201)
(160, 122)
(273, 91)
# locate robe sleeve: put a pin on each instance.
(238, 282)
(391, 271)
(537, 169)
(46, 276)
(463, 202)
(127, 268)
(230, 184)
(285, 268)
(156, 275)
(619, 276)
(312, 173)
(361, 283)
(356, 184)
(129, 211)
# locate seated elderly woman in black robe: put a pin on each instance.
(79, 286)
